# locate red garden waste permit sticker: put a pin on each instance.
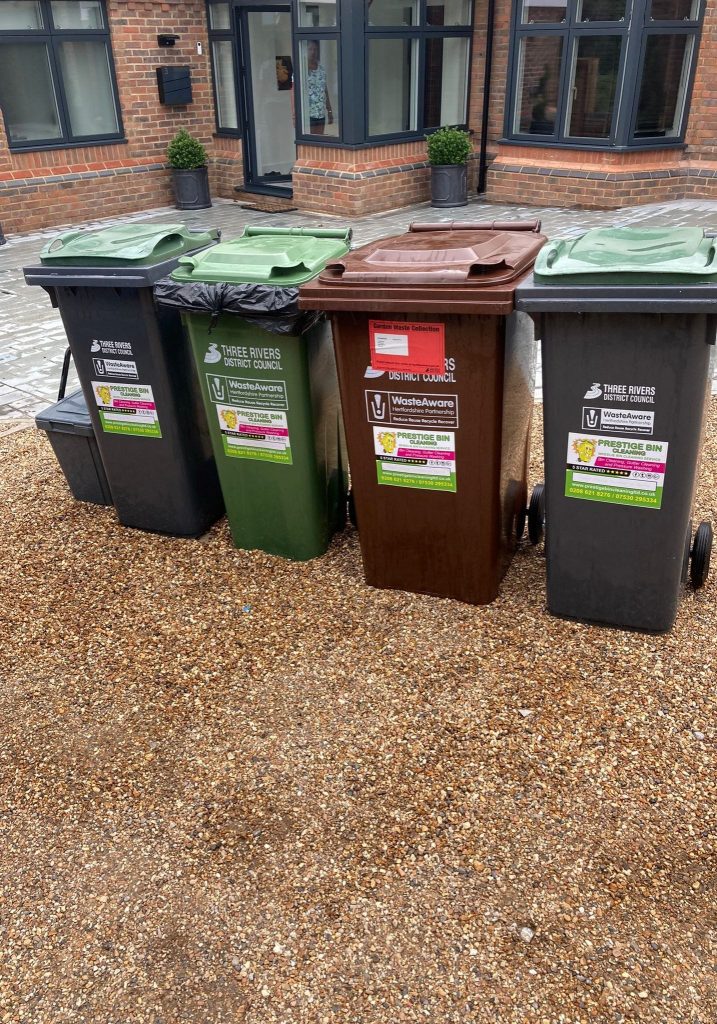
(409, 347)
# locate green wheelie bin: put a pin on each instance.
(268, 378)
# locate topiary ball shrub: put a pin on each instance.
(449, 146)
(186, 153)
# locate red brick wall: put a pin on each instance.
(499, 69)
(545, 176)
(351, 182)
(226, 169)
(702, 128)
(69, 185)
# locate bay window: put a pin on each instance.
(602, 73)
(360, 71)
(417, 65)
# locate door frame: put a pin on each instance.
(240, 9)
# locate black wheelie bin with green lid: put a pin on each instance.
(135, 367)
(627, 318)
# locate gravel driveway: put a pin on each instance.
(236, 789)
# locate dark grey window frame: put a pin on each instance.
(672, 28)
(298, 32)
(225, 35)
(422, 31)
(324, 32)
(49, 35)
(636, 29)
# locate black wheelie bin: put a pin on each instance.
(627, 318)
(136, 371)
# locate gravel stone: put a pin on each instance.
(327, 809)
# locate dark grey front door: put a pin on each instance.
(266, 70)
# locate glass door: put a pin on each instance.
(267, 85)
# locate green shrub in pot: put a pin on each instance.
(448, 153)
(188, 159)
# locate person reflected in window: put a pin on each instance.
(544, 109)
(319, 101)
(284, 74)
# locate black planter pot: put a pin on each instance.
(191, 189)
(449, 185)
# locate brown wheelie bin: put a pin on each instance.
(437, 373)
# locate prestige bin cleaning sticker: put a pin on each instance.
(621, 471)
(411, 347)
(416, 458)
(127, 409)
(261, 434)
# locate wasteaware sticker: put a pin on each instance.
(422, 459)
(620, 471)
(261, 434)
(127, 409)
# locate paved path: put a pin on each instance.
(32, 338)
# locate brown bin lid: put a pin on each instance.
(462, 268)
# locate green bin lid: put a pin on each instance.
(283, 257)
(124, 244)
(604, 254)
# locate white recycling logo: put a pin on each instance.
(378, 405)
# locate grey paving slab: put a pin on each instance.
(32, 338)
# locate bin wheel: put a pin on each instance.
(536, 514)
(701, 551)
(352, 508)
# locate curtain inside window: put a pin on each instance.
(27, 95)
(224, 78)
(88, 87)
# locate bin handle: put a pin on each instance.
(270, 274)
(342, 233)
(64, 373)
(551, 256)
(188, 261)
(485, 225)
(215, 233)
(60, 241)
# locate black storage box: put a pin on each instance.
(69, 431)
